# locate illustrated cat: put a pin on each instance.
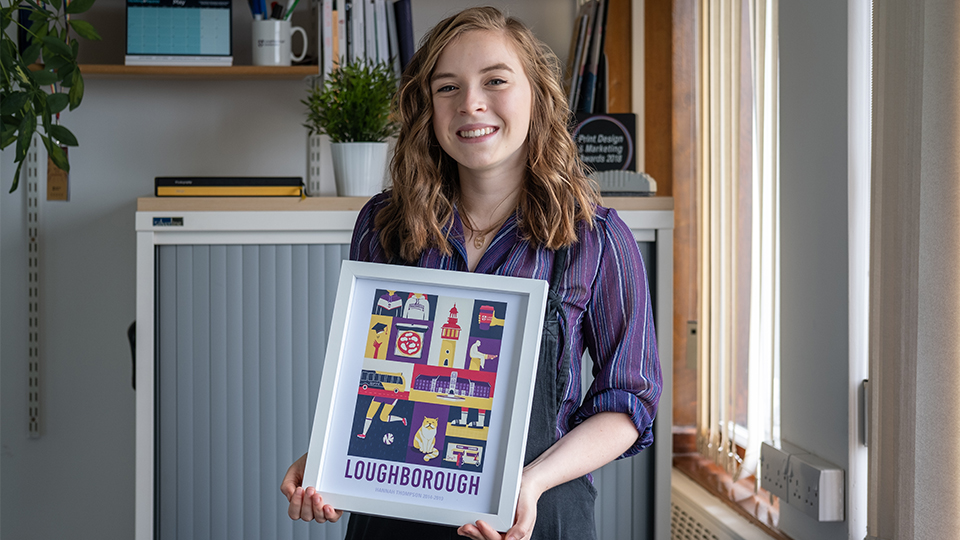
(425, 438)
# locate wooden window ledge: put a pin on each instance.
(761, 509)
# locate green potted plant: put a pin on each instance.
(25, 102)
(352, 107)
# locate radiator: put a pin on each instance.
(698, 515)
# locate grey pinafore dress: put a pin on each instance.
(563, 512)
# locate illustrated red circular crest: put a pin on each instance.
(409, 343)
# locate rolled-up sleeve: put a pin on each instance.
(618, 332)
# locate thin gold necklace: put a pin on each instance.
(480, 236)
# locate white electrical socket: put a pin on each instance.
(773, 470)
(815, 487)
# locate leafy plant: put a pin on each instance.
(25, 105)
(353, 104)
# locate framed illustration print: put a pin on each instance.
(424, 401)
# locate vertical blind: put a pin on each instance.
(241, 341)
(739, 230)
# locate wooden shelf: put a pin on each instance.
(112, 71)
(249, 204)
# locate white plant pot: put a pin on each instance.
(359, 167)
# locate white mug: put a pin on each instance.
(272, 42)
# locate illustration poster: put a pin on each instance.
(427, 398)
(425, 394)
(426, 390)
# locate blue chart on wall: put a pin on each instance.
(179, 27)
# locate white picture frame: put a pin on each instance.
(424, 402)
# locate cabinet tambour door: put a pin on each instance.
(241, 337)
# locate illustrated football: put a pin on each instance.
(388, 438)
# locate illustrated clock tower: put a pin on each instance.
(449, 333)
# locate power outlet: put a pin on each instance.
(815, 487)
(795, 487)
(774, 468)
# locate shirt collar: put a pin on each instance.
(503, 242)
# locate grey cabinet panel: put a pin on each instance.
(241, 336)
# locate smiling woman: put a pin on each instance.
(555, 194)
(481, 111)
(487, 179)
(481, 117)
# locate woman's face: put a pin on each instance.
(481, 104)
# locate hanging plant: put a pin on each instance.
(30, 98)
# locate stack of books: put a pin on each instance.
(586, 64)
(228, 186)
(376, 30)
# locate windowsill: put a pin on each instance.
(761, 508)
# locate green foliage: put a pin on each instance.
(29, 99)
(353, 104)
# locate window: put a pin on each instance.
(738, 305)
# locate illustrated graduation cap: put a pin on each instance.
(379, 327)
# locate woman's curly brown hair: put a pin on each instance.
(556, 193)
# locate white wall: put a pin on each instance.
(815, 377)
(915, 422)
(129, 133)
(76, 480)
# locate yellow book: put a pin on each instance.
(169, 186)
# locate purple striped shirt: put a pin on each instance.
(606, 305)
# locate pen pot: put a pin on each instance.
(359, 167)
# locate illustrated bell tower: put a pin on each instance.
(449, 334)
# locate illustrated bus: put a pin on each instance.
(380, 380)
(463, 454)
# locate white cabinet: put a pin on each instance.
(233, 305)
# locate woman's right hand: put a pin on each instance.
(305, 504)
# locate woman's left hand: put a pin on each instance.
(523, 523)
(587, 447)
